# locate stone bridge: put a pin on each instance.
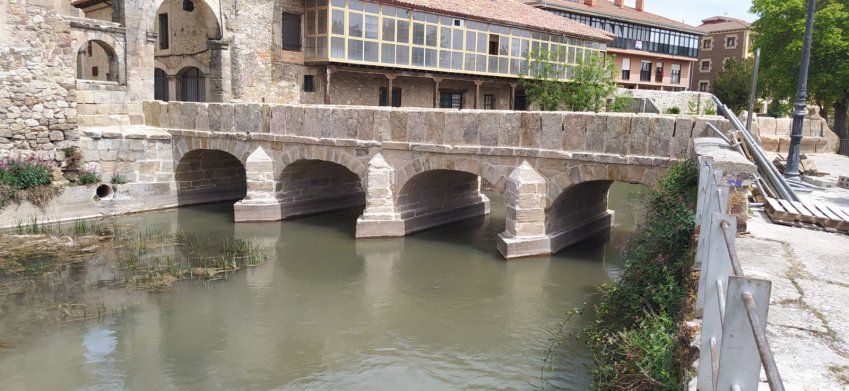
(414, 169)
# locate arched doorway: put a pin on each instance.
(188, 45)
(96, 60)
(192, 85)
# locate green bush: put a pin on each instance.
(118, 179)
(779, 109)
(673, 110)
(634, 337)
(88, 178)
(21, 174)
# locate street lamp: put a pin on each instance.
(801, 107)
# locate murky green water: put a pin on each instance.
(436, 310)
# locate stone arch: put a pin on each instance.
(591, 172)
(449, 163)
(322, 153)
(215, 26)
(317, 179)
(205, 175)
(101, 58)
(238, 148)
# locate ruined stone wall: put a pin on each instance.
(37, 80)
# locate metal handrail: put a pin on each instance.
(767, 359)
(764, 351)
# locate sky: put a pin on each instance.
(693, 11)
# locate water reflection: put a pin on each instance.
(436, 310)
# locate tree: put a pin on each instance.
(592, 82)
(733, 84)
(779, 33)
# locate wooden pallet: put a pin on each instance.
(793, 212)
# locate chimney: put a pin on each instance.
(589, 2)
(618, 3)
(639, 5)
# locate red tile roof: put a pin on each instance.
(723, 23)
(605, 8)
(507, 12)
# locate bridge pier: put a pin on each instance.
(260, 204)
(579, 213)
(427, 200)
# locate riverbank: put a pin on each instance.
(635, 340)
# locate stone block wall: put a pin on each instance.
(37, 81)
(140, 155)
(579, 212)
(774, 134)
(532, 133)
(312, 186)
(204, 176)
(683, 100)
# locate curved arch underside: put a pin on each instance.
(316, 186)
(206, 176)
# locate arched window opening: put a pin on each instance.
(96, 60)
(160, 85)
(192, 85)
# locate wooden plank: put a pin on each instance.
(775, 210)
(790, 209)
(805, 215)
(827, 212)
(821, 218)
(843, 222)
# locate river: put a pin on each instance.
(436, 310)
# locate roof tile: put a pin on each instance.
(607, 8)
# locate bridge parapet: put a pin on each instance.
(549, 134)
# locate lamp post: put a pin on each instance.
(800, 107)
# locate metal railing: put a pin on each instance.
(734, 307)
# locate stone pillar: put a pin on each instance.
(380, 218)
(525, 233)
(513, 96)
(436, 82)
(261, 203)
(219, 71)
(173, 94)
(390, 94)
(478, 94)
(329, 72)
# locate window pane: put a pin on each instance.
(337, 47)
(403, 31)
(402, 55)
(371, 26)
(431, 35)
(387, 53)
(418, 56)
(470, 41)
(355, 49)
(322, 22)
(430, 58)
(456, 60)
(445, 38)
(480, 63)
(445, 59)
(310, 22)
(355, 24)
(371, 51)
(418, 34)
(388, 29)
(291, 31)
(339, 22)
(458, 39)
(482, 42)
(470, 62)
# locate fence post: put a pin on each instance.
(740, 362)
(704, 172)
(711, 207)
(716, 267)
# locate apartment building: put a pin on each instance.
(725, 38)
(652, 52)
